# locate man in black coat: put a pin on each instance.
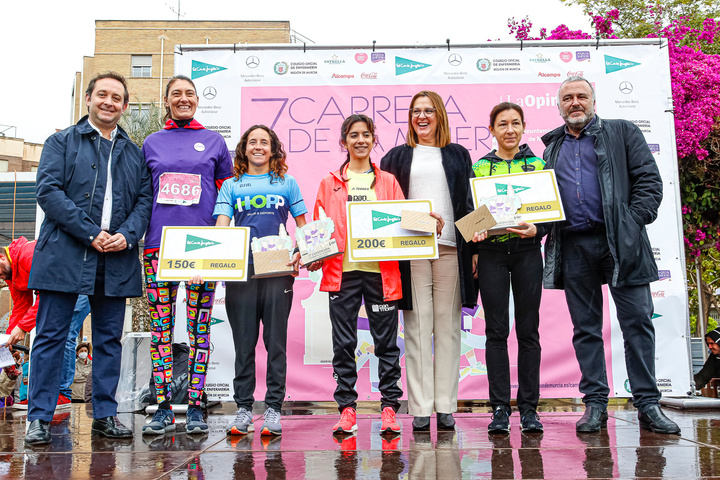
(95, 189)
(711, 369)
(611, 188)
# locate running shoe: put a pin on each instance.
(389, 422)
(63, 402)
(530, 422)
(271, 425)
(347, 423)
(500, 420)
(242, 424)
(163, 421)
(194, 422)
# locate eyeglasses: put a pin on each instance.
(429, 112)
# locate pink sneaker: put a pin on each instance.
(347, 423)
(389, 423)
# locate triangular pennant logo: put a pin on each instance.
(403, 65)
(214, 320)
(519, 189)
(200, 69)
(380, 219)
(613, 64)
(195, 243)
(500, 189)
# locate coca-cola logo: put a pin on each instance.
(579, 73)
(369, 76)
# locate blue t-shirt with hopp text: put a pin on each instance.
(261, 202)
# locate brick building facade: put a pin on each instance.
(142, 51)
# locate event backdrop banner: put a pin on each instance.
(304, 95)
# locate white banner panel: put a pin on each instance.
(305, 95)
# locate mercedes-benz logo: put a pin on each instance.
(626, 87)
(252, 61)
(454, 59)
(209, 93)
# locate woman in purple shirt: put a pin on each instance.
(188, 164)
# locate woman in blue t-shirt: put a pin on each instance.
(260, 197)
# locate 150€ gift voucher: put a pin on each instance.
(215, 253)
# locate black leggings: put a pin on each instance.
(499, 268)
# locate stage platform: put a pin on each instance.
(307, 449)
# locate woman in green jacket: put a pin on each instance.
(511, 259)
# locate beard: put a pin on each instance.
(578, 122)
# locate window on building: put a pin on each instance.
(141, 66)
(139, 110)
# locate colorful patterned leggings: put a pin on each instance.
(161, 299)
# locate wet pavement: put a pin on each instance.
(307, 449)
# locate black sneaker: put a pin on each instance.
(500, 420)
(530, 422)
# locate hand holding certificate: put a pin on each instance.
(376, 231)
(213, 253)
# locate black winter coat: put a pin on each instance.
(458, 172)
(631, 191)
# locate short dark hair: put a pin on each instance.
(112, 75)
(501, 107)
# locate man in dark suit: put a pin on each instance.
(95, 189)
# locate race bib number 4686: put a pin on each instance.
(179, 189)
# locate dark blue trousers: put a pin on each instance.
(586, 265)
(55, 311)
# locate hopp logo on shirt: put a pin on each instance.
(260, 201)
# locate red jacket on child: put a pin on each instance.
(24, 311)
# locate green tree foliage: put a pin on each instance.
(640, 19)
(142, 122)
(710, 281)
(693, 37)
(139, 124)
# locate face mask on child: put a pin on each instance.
(82, 355)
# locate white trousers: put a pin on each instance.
(434, 321)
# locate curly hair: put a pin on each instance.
(278, 167)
